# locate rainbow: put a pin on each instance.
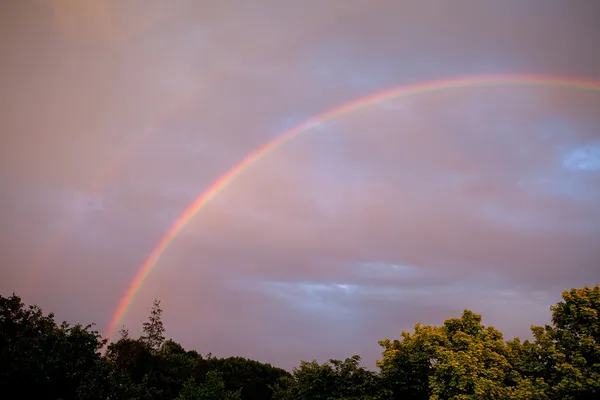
(404, 91)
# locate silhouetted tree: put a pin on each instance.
(153, 328)
(334, 380)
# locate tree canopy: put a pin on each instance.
(460, 359)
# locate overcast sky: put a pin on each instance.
(116, 114)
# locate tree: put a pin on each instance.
(564, 358)
(531, 365)
(153, 328)
(472, 363)
(334, 380)
(131, 357)
(407, 364)
(213, 388)
(124, 333)
(255, 379)
(462, 359)
(576, 332)
(40, 359)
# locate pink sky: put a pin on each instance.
(117, 114)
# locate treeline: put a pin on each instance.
(461, 359)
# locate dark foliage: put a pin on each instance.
(461, 359)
